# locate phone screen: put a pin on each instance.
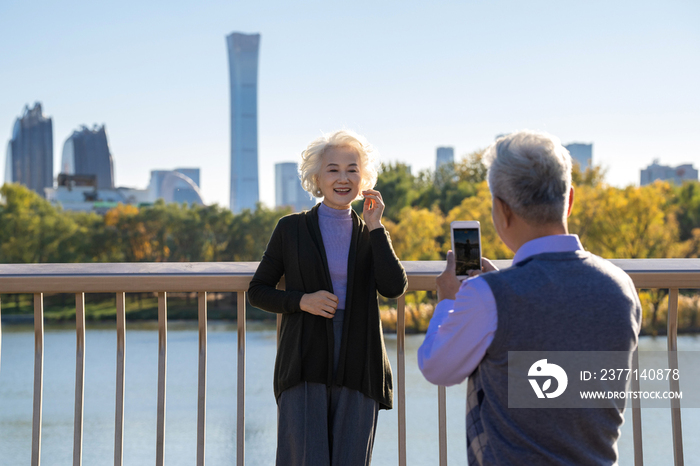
(467, 250)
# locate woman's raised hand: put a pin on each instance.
(373, 208)
(321, 303)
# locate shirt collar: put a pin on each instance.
(553, 243)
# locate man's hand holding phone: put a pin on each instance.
(447, 282)
(486, 266)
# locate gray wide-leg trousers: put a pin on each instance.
(326, 426)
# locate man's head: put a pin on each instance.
(529, 174)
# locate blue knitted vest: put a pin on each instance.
(569, 301)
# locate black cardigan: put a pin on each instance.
(306, 341)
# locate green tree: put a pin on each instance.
(99, 242)
(688, 214)
(398, 188)
(33, 231)
(129, 233)
(418, 235)
(471, 167)
(186, 236)
(634, 222)
(589, 177)
(452, 183)
(250, 232)
(217, 223)
(478, 208)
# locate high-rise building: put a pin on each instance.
(443, 156)
(582, 154)
(243, 72)
(29, 158)
(288, 190)
(175, 186)
(86, 152)
(675, 175)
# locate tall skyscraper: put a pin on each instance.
(243, 72)
(29, 158)
(581, 154)
(288, 190)
(444, 155)
(86, 152)
(675, 175)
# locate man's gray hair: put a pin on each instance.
(531, 172)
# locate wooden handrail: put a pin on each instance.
(236, 276)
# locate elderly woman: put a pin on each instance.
(332, 374)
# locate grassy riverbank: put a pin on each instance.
(101, 307)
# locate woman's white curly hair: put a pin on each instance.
(311, 159)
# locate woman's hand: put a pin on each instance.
(321, 303)
(373, 209)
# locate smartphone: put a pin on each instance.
(466, 245)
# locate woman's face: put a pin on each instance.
(340, 177)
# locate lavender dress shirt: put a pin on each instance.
(461, 330)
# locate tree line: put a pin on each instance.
(653, 221)
(34, 231)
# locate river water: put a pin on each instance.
(16, 380)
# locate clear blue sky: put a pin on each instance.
(410, 76)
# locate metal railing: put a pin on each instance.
(37, 279)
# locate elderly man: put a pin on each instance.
(555, 297)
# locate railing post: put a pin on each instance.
(202, 378)
(0, 332)
(121, 366)
(38, 376)
(162, 359)
(672, 332)
(637, 414)
(442, 424)
(79, 378)
(401, 375)
(240, 395)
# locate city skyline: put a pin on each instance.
(163, 88)
(675, 175)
